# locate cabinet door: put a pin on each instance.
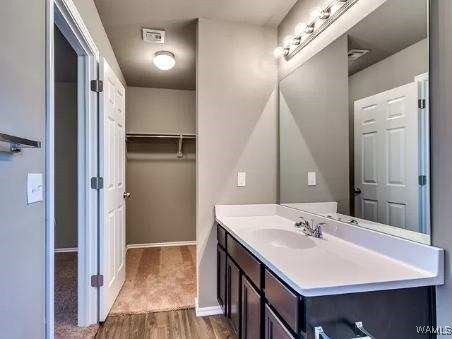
(251, 311)
(274, 328)
(221, 278)
(233, 294)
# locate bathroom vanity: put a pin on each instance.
(275, 282)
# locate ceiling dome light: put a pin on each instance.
(164, 60)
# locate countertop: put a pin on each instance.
(332, 265)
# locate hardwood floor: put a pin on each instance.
(181, 324)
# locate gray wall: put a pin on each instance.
(22, 226)
(314, 129)
(158, 110)
(162, 205)
(236, 126)
(441, 140)
(396, 70)
(22, 230)
(65, 165)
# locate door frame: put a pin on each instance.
(422, 81)
(64, 14)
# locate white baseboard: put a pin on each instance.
(66, 249)
(206, 311)
(161, 244)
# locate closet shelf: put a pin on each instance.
(131, 137)
(141, 137)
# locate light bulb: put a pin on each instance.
(164, 60)
(310, 29)
(315, 13)
(300, 28)
(335, 7)
(278, 52)
(325, 14)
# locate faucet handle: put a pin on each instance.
(318, 230)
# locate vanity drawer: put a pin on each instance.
(221, 236)
(283, 300)
(249, 265)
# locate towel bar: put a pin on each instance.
(17, 143)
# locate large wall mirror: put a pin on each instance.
(354, 125)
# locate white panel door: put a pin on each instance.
(112, 168)
(386, 157)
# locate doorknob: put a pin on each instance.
(357, 191)
(126, 195)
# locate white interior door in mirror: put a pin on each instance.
(386, 157)
(112, 166)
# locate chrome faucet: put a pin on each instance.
(310, 229)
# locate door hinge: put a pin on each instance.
(421, 103)
(97, 183)
(97, 280)
(97, 86)
(422, 180)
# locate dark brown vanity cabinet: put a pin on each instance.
(233, 286)
(251, 311)
(259, 304)
(273, 327)
(221, 277)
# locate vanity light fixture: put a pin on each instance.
(320, 19)
(164, 60)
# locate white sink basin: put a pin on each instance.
(284, 239)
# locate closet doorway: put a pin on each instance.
(161, 177)
(66, 187)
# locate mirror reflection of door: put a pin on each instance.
(386, 157)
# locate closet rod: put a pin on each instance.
(135, 136)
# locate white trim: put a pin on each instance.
(49, 175)
(161, 244)
(207, 311)
(64, 14)
(66, 250)
(422, 81)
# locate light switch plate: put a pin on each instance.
(241, 179)
(311, 179)
(35, 187)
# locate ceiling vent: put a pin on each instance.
(355, 54)
(155, 36)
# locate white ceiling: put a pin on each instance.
(123, 21)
